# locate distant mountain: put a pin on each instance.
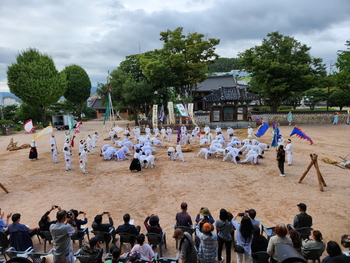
(8, 94)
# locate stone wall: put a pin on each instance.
(303, 117)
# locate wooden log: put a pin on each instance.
(319, 172)
(306, 171)
(4, 188)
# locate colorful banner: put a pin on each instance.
(44, 132)
(183, 112)
(300, 134)
(155, 116)
(171, 112)
(162, 114)
(28, 126)
(276, 134)
(190, 112)
(262, 130)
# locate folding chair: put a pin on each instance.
(47, 238)
(169, 260)
(101, 236)
(84, 258)
(157, 240)
(126, 238)
(268, 231)
(311, 254)
(260, 257)
(36, 257)
(84, 231)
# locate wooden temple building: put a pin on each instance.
(224, 99)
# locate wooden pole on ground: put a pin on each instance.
(314, 162)
(4, 188)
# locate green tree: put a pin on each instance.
(28, 112)
(314, 96)
(343, 66)
(35, 79)
(280, 66)
(10, 112)
(339, 98)
(181, 63)
(78, 87)
(126, 91)
(63, 108)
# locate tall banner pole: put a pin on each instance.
(190, 112)
(155, 116)
(171, 112)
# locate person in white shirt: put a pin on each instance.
(179, 153)
(156, 132)
(90, 144)
(229, 133)
(169, 132)
(67, 157)
(54, 153)
(289, 152)
(148, 130)
(163, 133)
(250, 132)
(83, 159)
(111, 135)
(53, 141)
(218, 129)
(206, 130)
(95, 139)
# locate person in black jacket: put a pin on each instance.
(281, 157)
(98, 226)
(128, 228)
(45, 223)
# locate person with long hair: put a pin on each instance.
(295, 237)
(244, 237)
(280, 238)
(224, 227)
(314, 243)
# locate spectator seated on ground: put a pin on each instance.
(92, 249)
(152, 224)
(314, 243)
(183, 218)
(97, 225)
(259, 242)
(20, 235)
(45, 222)
(127, 227)
(145, 250)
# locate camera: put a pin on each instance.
(69, 214)
(56, 206)
(241, 214)
(105, 212)
(81, 212)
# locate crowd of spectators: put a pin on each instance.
(242, 230)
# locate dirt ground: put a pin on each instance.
(110, 186)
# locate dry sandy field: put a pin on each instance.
(110, 186)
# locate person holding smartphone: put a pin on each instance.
(45, 222)
(97, 225)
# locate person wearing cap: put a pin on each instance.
(188, 252)
(289, 152)
(335, 118)
(207, 246)
(207, 217)
(250, 132)
(302, 219)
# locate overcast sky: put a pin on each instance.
(97, 35)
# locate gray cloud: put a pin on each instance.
(97, 35)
